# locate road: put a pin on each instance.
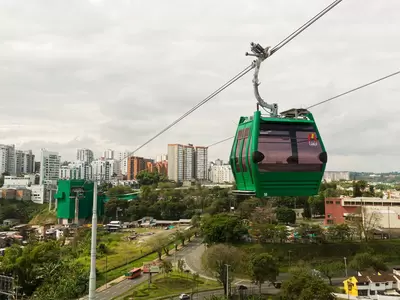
(126, 285)
(205, 295)
(191, 254)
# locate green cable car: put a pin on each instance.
(280, 154)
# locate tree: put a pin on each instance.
(223, 228)
(181, 265)
(366, 260)
(365, 222)
(340, 232)
(217, 257)
(263, 267)
(155, 246)
(302, 285)
(330, 269)
(166, 267)
(286, 215)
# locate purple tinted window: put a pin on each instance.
(237, 154)
(289, 148)
(308, 148)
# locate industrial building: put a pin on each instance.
(386, 211)
(78, 194)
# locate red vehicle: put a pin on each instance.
(136, 272)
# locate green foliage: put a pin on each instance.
(331, 269)
(340, 232)
(367, 260)
(21, 210)
(286, 215)
(217, 257)
(150, 178)
(263, 267)
(302, 285)
(222, 228)
(38, 266)
(388, 249)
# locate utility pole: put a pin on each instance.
(92, 276)
(290, 251)
(227, 281)
(345, 265)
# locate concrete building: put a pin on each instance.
(38, 193)
(49, 167)
(123, 162)
(187, 162)
(161, 158)
(25, 189)
(385, 211)
(85, 155)
(101, 170)
(336, 176)
(221, 174)
(19, 182)
(108, 154)
(201, 162)
(76, 170)
(7, 159)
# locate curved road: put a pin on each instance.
(191, 254)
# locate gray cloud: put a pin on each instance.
(114, 74)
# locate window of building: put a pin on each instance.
(338, 202)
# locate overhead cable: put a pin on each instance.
(239, 75)
(331, 99)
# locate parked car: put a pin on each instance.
(184, 297)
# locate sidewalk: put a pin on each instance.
(122, 278)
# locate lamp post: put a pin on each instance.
(345, 265)
(92, 277)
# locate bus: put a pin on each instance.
(136, 272)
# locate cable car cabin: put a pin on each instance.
(282, 156)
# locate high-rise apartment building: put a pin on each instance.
(123, 162)
(76, 170)
(137, 164)
(24, 162)
(7, 159)
(49, 167)
(186, 162)
(85, 155)
(201, 162)
(101, 170)
(108, 154)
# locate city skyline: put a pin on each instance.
(120, 103)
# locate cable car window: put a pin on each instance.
(289, 148)
(246, 134)
(309, 147)
(237, 152)
(248, 157)
(276, 147)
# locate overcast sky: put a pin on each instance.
(111, 74)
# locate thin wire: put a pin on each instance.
(239, 75)
(307, 24)
(332, 98)
(355, 89)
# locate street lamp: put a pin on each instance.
(92, 276)
(345, 265)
